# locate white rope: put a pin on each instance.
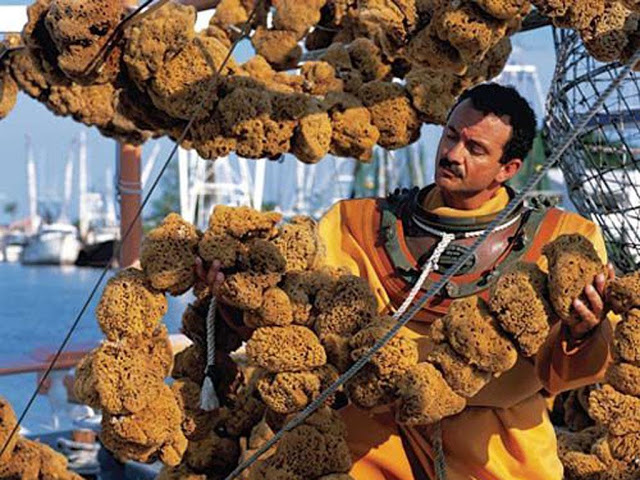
(437, 286)
(208, 397)
(430, 264)
(473, 234)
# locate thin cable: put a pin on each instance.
(135, 15)
(126, 235)
(437, 286)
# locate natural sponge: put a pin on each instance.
(8, 422)
(311, 450)
(573, 264)
(299, 243)
(475, 335)
(610, 34)
(130, 306)
(80, 30)
(425, 397)
(8, 91)
(518, 300)
(354, 134)
(153, 432)
(153, 39)
(623, 294)
(626, 341)
(168, 255)
(391, 112)
(279, 349)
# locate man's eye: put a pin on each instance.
(451, 136)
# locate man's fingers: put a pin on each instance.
(600, 282)
(588, 320)
(597, 305)
(218, 281)
(214, 269)
(202, 275)
(611, 272)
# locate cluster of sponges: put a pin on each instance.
(8, 87)
(60, 39)
(279, 291)
(24, 459)
(124, 376)
(616, 406)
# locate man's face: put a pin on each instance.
(470, 151)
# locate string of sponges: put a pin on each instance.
(383, 69)
(24, 459)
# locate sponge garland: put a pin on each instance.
(152, 79)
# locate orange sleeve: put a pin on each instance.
(559, 365)
(343, 250)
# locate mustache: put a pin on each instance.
(453, 167)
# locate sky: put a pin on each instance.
(52, 136)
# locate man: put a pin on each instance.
(505, 432)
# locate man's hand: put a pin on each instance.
(590, 316)
(213, 278)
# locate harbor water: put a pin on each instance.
(38, 306)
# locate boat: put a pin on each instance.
(12, 246)
(53, 244)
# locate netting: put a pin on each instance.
(601, 168)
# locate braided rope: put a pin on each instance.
(208, 396)
(437, 286)
(430, 264)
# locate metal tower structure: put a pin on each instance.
(602, 168)
(228, 181)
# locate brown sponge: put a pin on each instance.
(156, 38)
(425, 397)
(8, 422)
(80, 30)
(618, 412)
(573, 264)
(299, 243)
(353, 133)
(623, 293)
(168, 255)
(625, 378)
(463, 378)
(280, 349)
(475, 335)
(288, 392)
(154, 431)
(518, 300)
(8, 91)
(626, 340)
(129, 306)
(391, 112)
(243, 222)
(610, 34)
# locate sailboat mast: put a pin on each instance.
(83, 181)
(68, 185)
(32, 188)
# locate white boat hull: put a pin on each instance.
(54, 248)
(12, 253)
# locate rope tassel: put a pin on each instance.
(208, 396)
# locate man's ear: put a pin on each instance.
(508, 170)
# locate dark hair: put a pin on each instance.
(500, 100)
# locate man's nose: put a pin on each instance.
(455, 153)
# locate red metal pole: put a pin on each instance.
(130, 188)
